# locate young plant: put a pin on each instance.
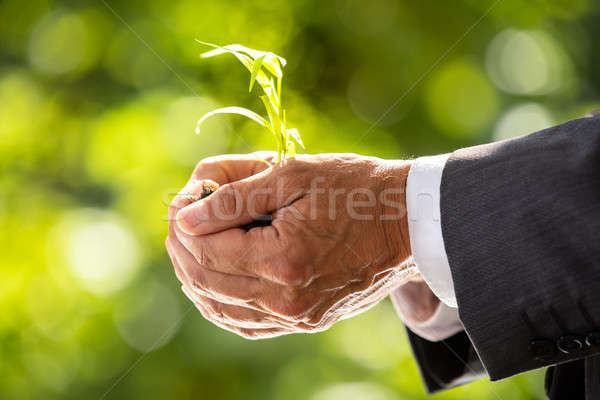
(266, 68)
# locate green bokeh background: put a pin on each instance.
(98, 104)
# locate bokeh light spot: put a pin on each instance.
(179, 125)
(129, 61)
(527, 62)
(354, 390)
(460, 99)
(523, 119)
(58, 43)
(381, 351)
(48, 370)
(148, 318)
(128, 138)
(99, 249)
(57, 317)
(20, 98)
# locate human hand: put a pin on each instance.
(337, 245)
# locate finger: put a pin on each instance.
(259, 294)
(246, 333)
(222, 170)
(243, 316)
(268, 302)
(258, 253)
(241, 202)
(233, 289)
(191, 192)
(232, 167)
(177, 203)
(178, 271)
(235, 315)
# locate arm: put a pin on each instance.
(358, 257)
(441, 348)
(521, 227)
(520, 223)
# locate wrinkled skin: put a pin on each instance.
(317, 263)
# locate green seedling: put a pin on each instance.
(266, 69)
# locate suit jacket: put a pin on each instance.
(521, 228)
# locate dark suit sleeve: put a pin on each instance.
(447, 363)
(521, 227)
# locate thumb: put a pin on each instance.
(238, 203)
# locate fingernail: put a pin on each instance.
(191, 216)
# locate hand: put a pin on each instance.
(415, 302)
(337, 245)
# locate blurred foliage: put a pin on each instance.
(98, 104)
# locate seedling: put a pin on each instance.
(266, 68)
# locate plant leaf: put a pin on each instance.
(271, 93)
(246, 60)
(218, 50)
(233, 110)
(254, 54)
(291, 149)
(294, 133)
(266, 68)
(272, 112)
(256, 65)
(272, 61)
(231, 48)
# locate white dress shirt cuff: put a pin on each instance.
(425, 228)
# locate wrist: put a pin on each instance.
(393, 175)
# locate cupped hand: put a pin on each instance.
(338, 242)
